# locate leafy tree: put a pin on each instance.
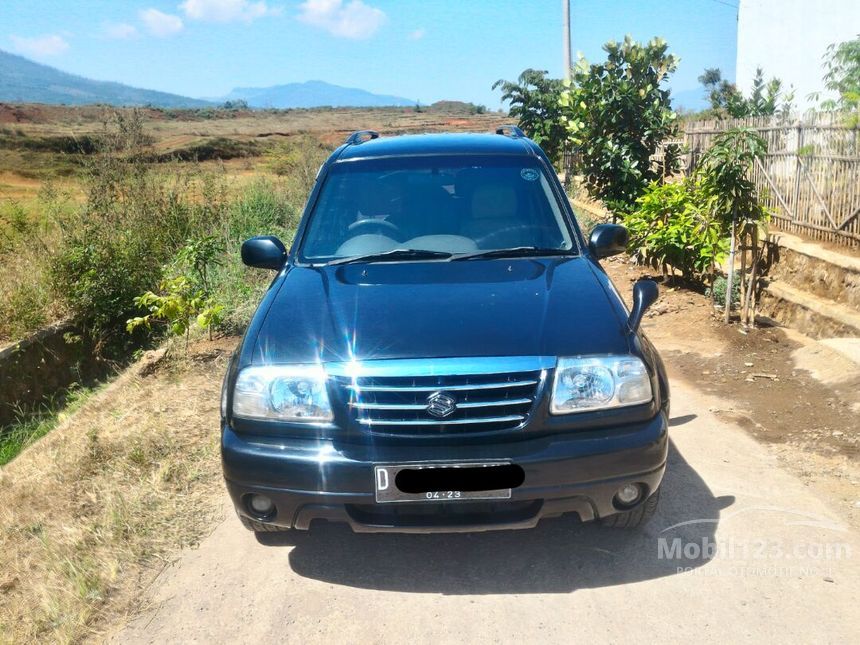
(842, 76)
(534, 101)
(235, 104)
(724, 170)
(728, 101)
(617, 113)
(735, 199)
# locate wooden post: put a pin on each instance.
(731, 276)
(798, 169)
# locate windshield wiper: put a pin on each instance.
(395, 254)
(514, 252)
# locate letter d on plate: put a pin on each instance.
(381, 479)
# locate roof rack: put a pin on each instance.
(361, 136)
(511, 131)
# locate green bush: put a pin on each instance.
(719, 291)
(264, 208)
(24, 308)
(672, 226)
(99, 271)
(298, 161)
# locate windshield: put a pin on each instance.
(448, 205)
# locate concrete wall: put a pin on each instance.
(43, 365)
(787, 39)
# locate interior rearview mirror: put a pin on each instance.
(608, 239)
(264, 252)
(645, 293)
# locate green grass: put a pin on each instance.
(32, 426)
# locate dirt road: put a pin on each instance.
(785, 568)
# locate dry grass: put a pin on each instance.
(89, 513)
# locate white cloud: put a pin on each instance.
(40, 46)
(161, 24)
(418, 34)
(227, 10)
(120, 30)
(352, 19)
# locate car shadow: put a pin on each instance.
(682, 420)
(559, 555)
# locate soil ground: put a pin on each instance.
(784, 389)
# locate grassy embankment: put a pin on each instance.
(108, 498)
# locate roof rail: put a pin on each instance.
(361, 136)
(511, 131)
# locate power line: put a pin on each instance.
(728, 4)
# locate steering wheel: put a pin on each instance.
(380, 224)
(486, 241)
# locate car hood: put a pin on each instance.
(524, 307)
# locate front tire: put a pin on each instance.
(635, 517)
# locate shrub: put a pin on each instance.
(718, 291)
(24, 307)
(99, 271)
(298, 160)
(179, 305)
(112, 250)
(264, 208)
(672, 226)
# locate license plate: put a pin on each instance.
(440, 482)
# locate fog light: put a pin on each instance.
(629, 494)
(260, 505)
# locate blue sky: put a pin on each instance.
(424, 50)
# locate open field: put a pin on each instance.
(40, 142)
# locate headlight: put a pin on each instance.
(282, 393)
(598, 382)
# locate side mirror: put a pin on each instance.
(645, 293)
(608, 239)
(264, 252)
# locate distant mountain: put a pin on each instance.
(312, 94)
(23, 81)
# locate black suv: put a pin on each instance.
(440, 350)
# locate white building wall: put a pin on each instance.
(788, 38)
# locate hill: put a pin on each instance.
(25, 81)
(313, 94)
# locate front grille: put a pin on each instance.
(488, 394)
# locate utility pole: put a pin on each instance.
(565, 10)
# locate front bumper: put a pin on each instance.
(323, 479)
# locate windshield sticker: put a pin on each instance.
(529, 174)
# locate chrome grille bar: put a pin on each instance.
(434, 388)
(439, 422)
(423, 406)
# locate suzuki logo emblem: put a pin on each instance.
(441, 404)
